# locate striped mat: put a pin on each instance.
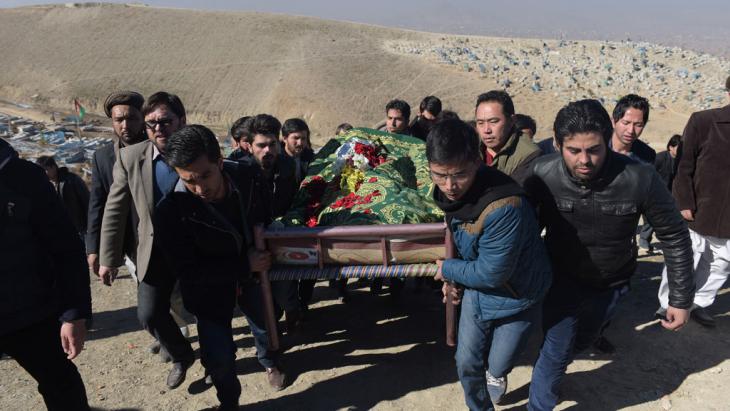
(352, 271)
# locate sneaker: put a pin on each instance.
(702, 316)
(277, 379)
(496, 387)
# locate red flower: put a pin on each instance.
(373, 180)
(311, 221)
(367, 211)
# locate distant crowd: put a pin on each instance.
(545, 235)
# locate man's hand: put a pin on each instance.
(439, 274)
(676, 318)
(688, 215)
(107, 274)
(259, 261)
(93, 261)
(73, 335)
(455, 290)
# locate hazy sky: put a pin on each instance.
(699, 24)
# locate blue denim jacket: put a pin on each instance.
(502, 257)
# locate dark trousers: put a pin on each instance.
(218, 351)
(38, 350)
(646, 231)
(573, 316)
(153, 309)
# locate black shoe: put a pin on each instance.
(177, 373)
(603, 345)
(702, 317)
(154, 348)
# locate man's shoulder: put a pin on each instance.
(546, 163)
(135, 152)
(713, 114)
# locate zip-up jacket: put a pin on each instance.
(205, 250)
(591, 225)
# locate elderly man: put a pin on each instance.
(142, 178)
(703, 194)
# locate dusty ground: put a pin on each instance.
(369, 354)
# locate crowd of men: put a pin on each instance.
(165, 203)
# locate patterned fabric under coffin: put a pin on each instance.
(360, 271)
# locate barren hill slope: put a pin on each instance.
(227, 64)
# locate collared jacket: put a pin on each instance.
(203, 248)
(516, 157)
(501, 256)
(102, 166)
(280, 187)
(591, 225)
(701, 183)
(43, 272)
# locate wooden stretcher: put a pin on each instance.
(373, 251)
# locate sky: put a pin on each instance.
(702, 25)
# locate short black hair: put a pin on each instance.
(189, 143)
(293, 125)
(46, 162)
(432, 104)
(501, 97)
(162, 97)
(400, 105)
(674, 141)
(452, 141)
(343, 127)
(583, 116)
(447, 115)
(523, 121)
(631, 101)
(264, 124)
(238, 128)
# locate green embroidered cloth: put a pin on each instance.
(397, 191)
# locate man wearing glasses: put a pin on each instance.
(141, 179)
(503, 267)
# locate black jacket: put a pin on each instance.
(591, 226)
(102, 165)
(664, 165)
(641, 151)
(280, 187)
(204, 249)
(43, 272)
(301, 165)
(75, 196)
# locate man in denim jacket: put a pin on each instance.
(502, 266)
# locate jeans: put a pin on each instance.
(218, 351)
(153, 310)
(573, 316)
(38, 350)
(488, 344)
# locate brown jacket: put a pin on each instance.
(702, 183)
(132, 187)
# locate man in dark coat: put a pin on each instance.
(205, 232)
(589, 200)
(71, 189)
(703, 194)
(124, 108)
(45, 298)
